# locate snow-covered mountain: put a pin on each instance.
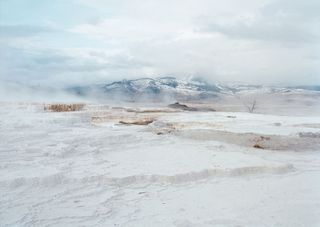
(149, 88)
(164, 86)
(171, 87)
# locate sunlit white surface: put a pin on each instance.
(60, 169)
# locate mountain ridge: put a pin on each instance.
(146, 88)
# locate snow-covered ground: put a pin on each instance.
(184, 169)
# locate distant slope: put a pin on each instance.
(170, 88)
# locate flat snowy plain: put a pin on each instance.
(185, 169)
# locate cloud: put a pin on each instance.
(22, 31)
(265, 41)
(285, 22)
(63, 67)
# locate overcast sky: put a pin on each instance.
(64, 42)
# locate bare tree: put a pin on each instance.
(251, 107)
